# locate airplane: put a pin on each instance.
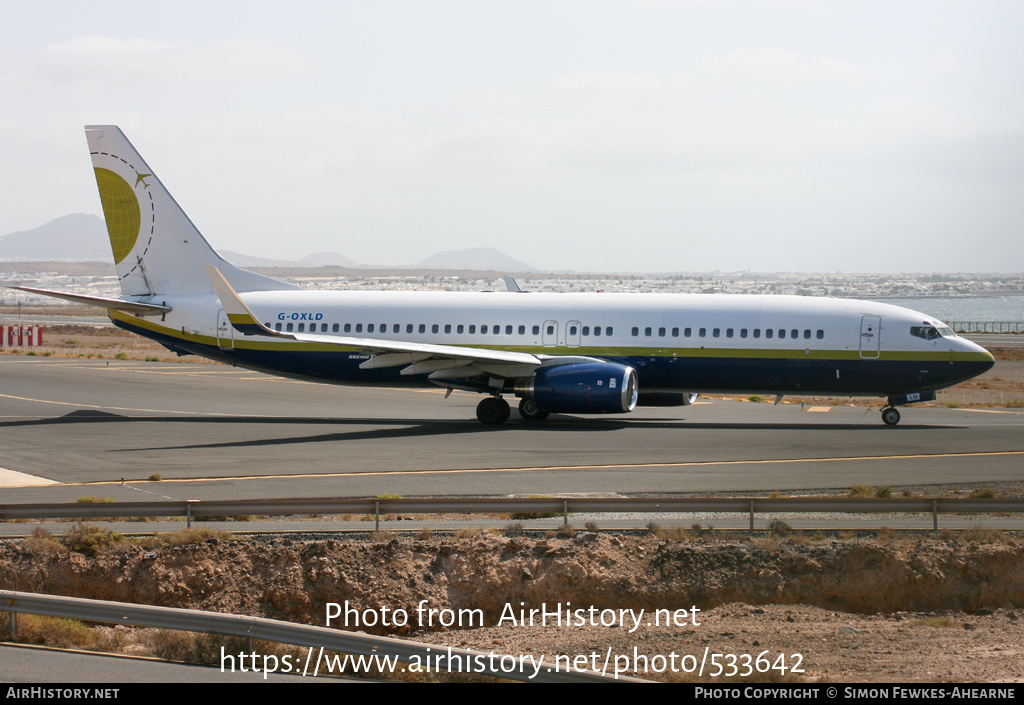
(592, 353)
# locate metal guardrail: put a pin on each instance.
(196, 509)
(406, 652)
(987, 326)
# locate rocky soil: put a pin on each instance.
(889, 609)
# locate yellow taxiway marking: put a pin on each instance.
(820, 408)
(992, 411)
(619, 466)
(125, 408)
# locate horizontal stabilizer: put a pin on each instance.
(136, 307)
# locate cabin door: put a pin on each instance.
(870, 336)
(225, 331)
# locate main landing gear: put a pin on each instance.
(529, 411)
(492, 411)
(495, 410)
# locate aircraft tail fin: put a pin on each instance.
(157, 249)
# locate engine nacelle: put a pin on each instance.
(666, 398)
(582, 388)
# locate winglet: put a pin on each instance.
(239, 314)
(511, 284)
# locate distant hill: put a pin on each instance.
(83, 238)
(475, 258)
(71, 238)
(327, 259)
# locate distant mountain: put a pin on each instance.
(327, 259)
(475, 258)
(320, 259)
(83, 238)
(72, 238)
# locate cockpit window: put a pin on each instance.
(947, 332)
(926, 332)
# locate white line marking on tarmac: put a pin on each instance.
(12, 478)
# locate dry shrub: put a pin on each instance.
(981, 535)
(92, 540)
(42, 543)
(185, 537)
(53, 631)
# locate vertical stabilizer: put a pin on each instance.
(157, 250)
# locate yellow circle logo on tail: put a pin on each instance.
(121, 211)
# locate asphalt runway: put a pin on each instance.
(215, 432)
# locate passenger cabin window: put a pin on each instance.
(277, 327)
(522, 330)
(536, 330)
(434, 328)
(334, 328)
(348, 327)
(636, 331)
(423, 328)
(821, 334)
(768, 332)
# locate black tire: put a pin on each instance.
(492, 411)
(890, 416)
(529, 411)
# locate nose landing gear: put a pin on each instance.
(890, 416)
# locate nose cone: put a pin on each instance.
(972, 360)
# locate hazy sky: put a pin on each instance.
(590, 135)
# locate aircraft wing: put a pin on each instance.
(421, 357)
(143, 309)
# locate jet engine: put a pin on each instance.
(582, 388)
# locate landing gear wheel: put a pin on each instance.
(890, 416)
(492, 411)
(529, 411)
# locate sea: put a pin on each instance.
(951, 309)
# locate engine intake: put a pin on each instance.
(582, 388)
